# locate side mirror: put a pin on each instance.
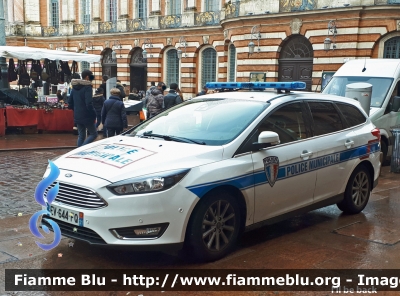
(396, 104)
(266, 139)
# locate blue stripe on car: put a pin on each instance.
(258, 178)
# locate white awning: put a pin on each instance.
(25, 53)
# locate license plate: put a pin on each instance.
(66, 215)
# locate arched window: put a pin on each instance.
(208, 65)
(392, 48)
(172, 67)
(54, 14)
(85, 11)
(141, 9)
(232, 63)
(297, 47)
(174, 7)
(112, 10)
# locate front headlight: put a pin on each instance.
(150, 183)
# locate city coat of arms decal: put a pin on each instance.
(271, 168)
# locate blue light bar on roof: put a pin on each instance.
(257, 85)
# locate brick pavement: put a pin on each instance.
(20, 172)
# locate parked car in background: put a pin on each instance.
(384, 76)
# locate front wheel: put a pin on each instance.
(357, 192)
(214, 226)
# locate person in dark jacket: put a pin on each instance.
(103, 85)
(81, 101)
(113, 115)
(134, 95)
(98, 101)
(121, 89)
(173, 97)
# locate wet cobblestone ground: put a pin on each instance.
(322, 239)
(20, 172)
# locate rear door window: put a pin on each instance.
(326, 119)
(352, 114)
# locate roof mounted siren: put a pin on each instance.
(279, 86)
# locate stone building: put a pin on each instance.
(195, 41)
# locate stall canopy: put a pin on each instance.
(31, 53)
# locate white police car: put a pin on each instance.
(202, 172)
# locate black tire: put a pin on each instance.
(357, 192)
(214, 226)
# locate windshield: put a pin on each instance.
(380, 87)
(209, 122)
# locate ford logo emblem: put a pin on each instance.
(68, 175)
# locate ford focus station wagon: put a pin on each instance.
(200, 173)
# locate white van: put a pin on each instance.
(384, 75)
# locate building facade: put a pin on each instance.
(192, 42)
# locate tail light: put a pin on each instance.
(376, 133)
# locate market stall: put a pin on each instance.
(45, 66)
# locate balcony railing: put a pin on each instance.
(207, 18)
(81, 29)
(170, 21)
(136, 24)
(107, 27)
(50, 31)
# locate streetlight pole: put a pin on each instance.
(3, 65)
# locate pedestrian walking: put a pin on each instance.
(173, 97)
(134, 95)
(148, 93)
(104, 85)
(155, 102)
(81, 101)
(121, 89)
(113, 115)
(98, 101)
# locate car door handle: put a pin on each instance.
(306, 154)
(349, 143)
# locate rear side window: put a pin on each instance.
(326, 118)
(352, 114)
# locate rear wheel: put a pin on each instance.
(214, 226)
(357, 192)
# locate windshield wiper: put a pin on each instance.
(172, 138)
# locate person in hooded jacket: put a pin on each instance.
(121, 89)
(98, 101)
(81, 101)
(155, 102)
(113, 115)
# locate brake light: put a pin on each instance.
(376, 133)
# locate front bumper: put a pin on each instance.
(172, 206)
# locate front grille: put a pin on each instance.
(78, 197)
(81, 233)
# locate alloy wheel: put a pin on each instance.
(360, 189)
(219, 224)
